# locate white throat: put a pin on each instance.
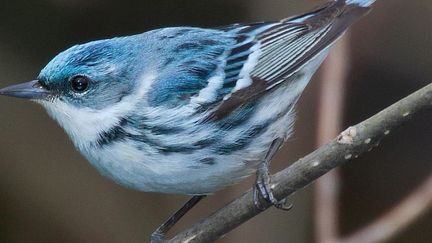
(84, 125)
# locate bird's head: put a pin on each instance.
(93, 75)
(85, 85)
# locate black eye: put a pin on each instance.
(80, 83)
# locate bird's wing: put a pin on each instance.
(242, 62)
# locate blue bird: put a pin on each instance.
(189, 110)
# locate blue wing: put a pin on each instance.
(225, 68)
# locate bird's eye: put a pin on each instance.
(80, 83)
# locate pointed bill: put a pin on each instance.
(30, 90)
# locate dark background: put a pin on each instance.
(49, 193)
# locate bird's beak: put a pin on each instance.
(32, 90)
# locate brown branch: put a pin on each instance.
(351, 143)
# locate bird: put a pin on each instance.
(189, 110)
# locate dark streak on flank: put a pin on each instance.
(203, 163)
(246, 138)
(205, 143)
(207, 161)
(118, 133)
(239, 117)
(195, 167)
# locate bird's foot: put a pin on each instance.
(264, 188)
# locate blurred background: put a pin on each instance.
(49, 193)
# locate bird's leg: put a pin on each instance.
(263, 183)
(159, 235)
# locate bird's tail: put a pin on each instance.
(361, 3)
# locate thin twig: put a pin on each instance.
(330, 116)
(351, 143)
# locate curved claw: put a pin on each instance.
(263, 185)
(282, 205)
